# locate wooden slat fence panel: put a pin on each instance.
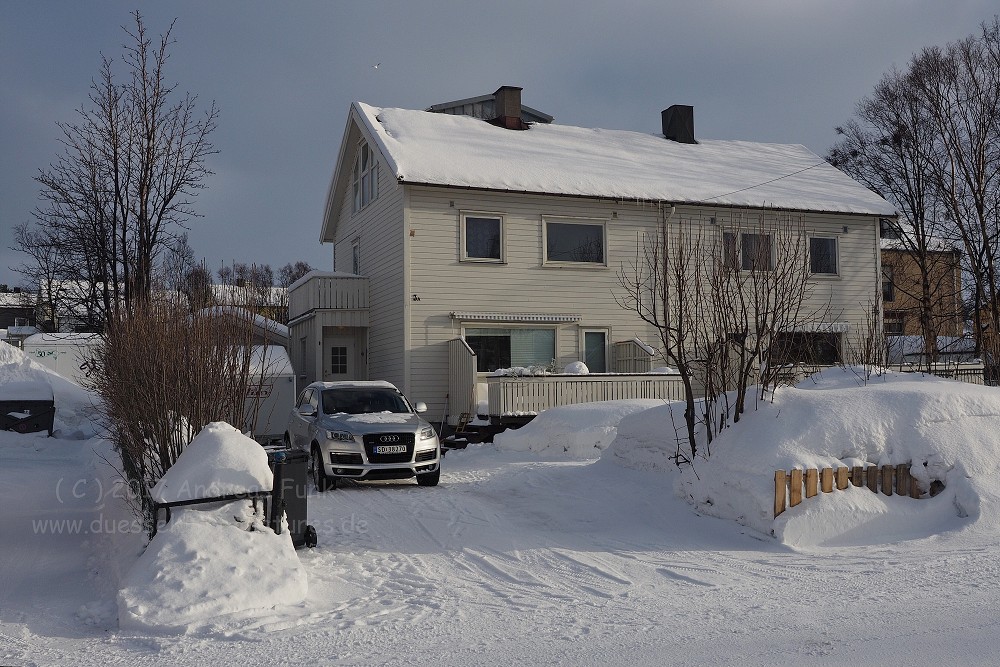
(790, 484)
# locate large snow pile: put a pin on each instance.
(577, 431)
(210, 561)
(946, 431)
(205, 564)
(75, 407)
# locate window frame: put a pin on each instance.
(572, 220)
(463, 255)
(364, 176)
(507, 326)
(836, 257)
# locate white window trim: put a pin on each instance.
(463, 257)
(602, 222)
(607, 345)
(836, 241)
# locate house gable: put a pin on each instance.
(356, 131)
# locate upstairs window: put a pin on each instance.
(569, 241)
(823, 255)
(365, 177)
(753, 252)
(482, 237)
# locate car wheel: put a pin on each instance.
(430, 478)
(322, 481)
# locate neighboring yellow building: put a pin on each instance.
(901, 290)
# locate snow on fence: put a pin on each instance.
(888, 478)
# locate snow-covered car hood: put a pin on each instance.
(376, 422)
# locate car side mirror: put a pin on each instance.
(420, 407)
(307, 411)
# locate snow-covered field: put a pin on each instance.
(554, 547)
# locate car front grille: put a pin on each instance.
(345, 459)
(426, 456)
(379, 439)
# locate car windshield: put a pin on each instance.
(361, 400)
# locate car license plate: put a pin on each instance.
(390, 449)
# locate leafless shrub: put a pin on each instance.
(162, 374)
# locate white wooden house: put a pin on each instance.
(464, 245)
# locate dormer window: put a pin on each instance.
(365, 177)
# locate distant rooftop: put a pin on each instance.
(484, 107)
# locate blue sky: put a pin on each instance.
(284, 74)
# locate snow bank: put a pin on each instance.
(946, 430)
(210, 563)
(75, 406)
(219, 461)
(577, 431)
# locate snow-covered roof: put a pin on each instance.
(934, 244)
(439, 149)
(17, 300)
(259, 321)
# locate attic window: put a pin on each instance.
(365, 177)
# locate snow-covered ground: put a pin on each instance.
(536, 552)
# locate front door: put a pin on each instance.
(339, 358)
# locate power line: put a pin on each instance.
(818, 164)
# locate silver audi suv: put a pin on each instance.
(363, 430)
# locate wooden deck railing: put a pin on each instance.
(516, 396)
(888, 478)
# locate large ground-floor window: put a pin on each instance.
(505, 348)
(809, 347)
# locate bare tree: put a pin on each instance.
(131, 166)
(891, 148)
(721, 299)
(960, 85)
(929, 140)
(289, 273)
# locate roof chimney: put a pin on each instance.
(507, 108)
(678, 123)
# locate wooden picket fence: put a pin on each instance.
(887, 479)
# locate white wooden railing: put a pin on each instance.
(517, 396)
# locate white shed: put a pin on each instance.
(65, 353)
(271, 395)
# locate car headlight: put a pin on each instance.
(427, 433)
(340, 436)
